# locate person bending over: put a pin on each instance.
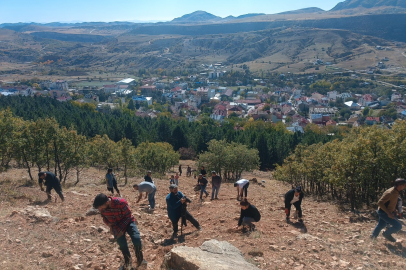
(295, 197)
(242, 186)
(118, 217)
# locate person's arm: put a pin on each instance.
(40, 184)
(240, 220)
(139, 197)
(382, 201)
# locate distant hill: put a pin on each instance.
(197, 16)
(354, 4)
(304, 10)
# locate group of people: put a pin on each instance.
(117, 215)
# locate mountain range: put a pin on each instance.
(354, 4)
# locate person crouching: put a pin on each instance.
(249, 214)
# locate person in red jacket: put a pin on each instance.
(118, 217)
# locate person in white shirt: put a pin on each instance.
(242, 186)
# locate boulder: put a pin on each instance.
(36, 212)
(212, 254)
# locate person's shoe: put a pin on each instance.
(372, 237)
(174, 235)
(389, 237)
(252, 227)
(142, 265)
(244, 230)
(287, 219)
(300, 221)
(211, 199)
(216, 198)
(200, 228)
(207, 194)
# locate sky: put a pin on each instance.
(42, 11)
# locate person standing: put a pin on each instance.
(117, 216)
(386, 206)
(180, 170)
(202, 181)
(242, 186)
(51, 182)
(148, 188)
(216, 183)
(249, 214)
(203, 171)
(147, 178)
(188, 171)
(176, 202)
(176, 179)
(295, 197)
(172, 180)
(111, 182)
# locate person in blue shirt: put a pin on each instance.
(176, 206)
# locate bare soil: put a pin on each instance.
(330, 239)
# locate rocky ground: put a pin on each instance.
(39, 235)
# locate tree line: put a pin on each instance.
(273, 142)
(356, 169)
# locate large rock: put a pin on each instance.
(212, 255)
(36, 212)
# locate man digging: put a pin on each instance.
(118, 217)
(51, 182)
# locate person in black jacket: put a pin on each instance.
(202, 181)
(51, 182)
(294, 196)
(249, 214)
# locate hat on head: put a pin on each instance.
(213, 171)
(173, 186)
(298, 189)
(148, 171)
(200, 174)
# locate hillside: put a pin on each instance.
(353, 4)
(197, 16)
(304, 10)
(331, 238)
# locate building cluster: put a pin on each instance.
(272, 104)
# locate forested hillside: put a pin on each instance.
(273, 142)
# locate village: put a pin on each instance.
(258, 100)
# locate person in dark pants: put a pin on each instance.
(111, 182)
(118, 217)
(215, 183)
(202, 181)
(295, 197)
(175, 202)
(242, 186)
(188, 171)
(180, 170)
(51, 182)
(387, 205)
(147, 178)
(249, 214)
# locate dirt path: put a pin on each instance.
(331, 239)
